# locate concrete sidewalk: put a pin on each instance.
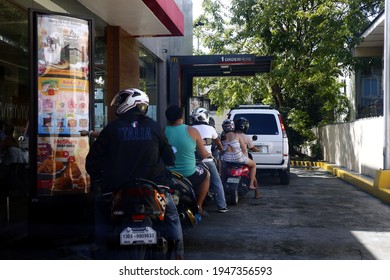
(378, 186)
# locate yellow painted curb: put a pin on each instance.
(362, 183)
(379, 187)
(382, 184)
(382, 179)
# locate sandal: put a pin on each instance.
(203, 213)
(258, 196)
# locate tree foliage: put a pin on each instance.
(310, 42)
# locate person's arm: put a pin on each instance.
(254, 149)
(95, 158)
(250, 144)
(91, 133)
(218, 142)
(199, 142)
(243, 145)
(167, 154)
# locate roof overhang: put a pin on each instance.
(224, 65)
(373, 39)
(140, 18)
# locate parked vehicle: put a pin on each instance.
(137, 222)
(185, 200)
(269, 135)
(236, 181)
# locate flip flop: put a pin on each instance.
(204, 213)
(258, 196)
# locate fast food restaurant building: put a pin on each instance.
(60, 60)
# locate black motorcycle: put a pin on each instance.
(185, 200)
(137, 228)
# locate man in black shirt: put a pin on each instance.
(134, 146)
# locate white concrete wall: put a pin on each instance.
(356, 145)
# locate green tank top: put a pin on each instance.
(184, 147)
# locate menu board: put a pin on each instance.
(63, 72)
(63, 105)
(63, 91)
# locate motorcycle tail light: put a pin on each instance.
(236, 172)
(241, 171)
(138, 217)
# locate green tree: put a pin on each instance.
(310, 42)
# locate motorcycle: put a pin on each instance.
(137, 229)
(236, 181)
(184, 198)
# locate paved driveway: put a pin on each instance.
(316, 217)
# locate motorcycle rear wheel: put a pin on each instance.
(233, 196)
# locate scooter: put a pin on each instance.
(137, 228)
(184, 198)
(236, 181)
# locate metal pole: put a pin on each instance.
(386, 93)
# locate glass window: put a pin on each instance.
(100, 73)
(148, 80)
(14, 59)
(262, 124)
(370, 87)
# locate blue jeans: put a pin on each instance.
(216, 184)
(172, 219)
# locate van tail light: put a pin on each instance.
(283, 127)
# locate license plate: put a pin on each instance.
(234, 180)
(141, 235)
(262, 149)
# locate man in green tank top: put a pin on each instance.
(185, 140)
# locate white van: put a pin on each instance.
(269, 135)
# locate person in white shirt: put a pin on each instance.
(209, 135)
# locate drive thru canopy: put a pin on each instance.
(182, 69)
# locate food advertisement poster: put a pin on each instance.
(61, 165)
(63, 92)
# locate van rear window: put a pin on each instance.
(260, 124)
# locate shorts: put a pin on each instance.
(198, 177)
(238, 157)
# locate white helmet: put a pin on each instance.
(201, 115)
(129, 99)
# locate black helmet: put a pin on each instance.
(131, 99)
(241, 124)
(228, 126)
